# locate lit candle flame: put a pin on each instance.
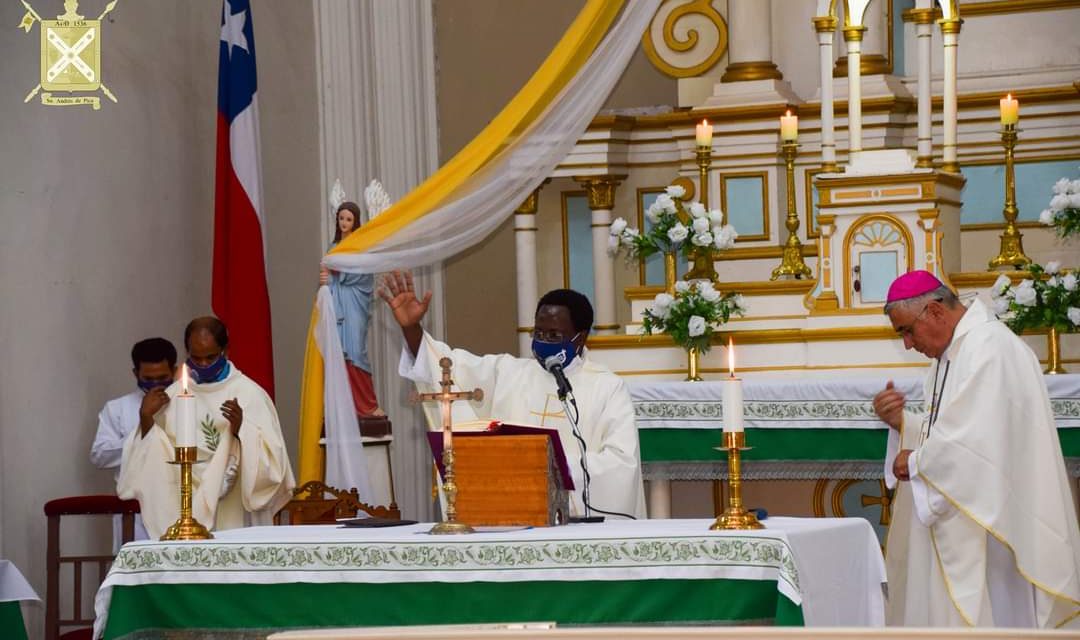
(185, 379)
(731, 356)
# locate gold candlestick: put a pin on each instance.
(186, 527)
(1012, 246)
(792, 263)
(735, 516)
(703, 268)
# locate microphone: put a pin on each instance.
(554, 366)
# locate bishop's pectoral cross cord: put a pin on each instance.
(935, 399)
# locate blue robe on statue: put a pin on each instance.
(352, 302)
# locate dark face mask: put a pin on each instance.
(149, 385)
(213, 372)
(564, 351)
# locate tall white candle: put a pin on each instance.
(733, 396)
(703, 134)
(185, 427)
(789, 127)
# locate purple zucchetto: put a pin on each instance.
(912, 284)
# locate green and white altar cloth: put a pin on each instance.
(13, 589)
(800, 429)
(814, 571)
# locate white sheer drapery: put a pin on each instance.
(346, 465)
(491, 195)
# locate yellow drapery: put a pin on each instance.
(561, 65)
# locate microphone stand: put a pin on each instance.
(568, 400)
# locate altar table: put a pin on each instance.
(813, 571)
(13, 589)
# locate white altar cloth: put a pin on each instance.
(831, 567)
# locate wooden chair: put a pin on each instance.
(310, 505)
(102, 505)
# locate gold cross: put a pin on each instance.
(446, 396)
(543, 415)
(885, 500)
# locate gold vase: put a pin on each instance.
(1053, 348)
(693, 371)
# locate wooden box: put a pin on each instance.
(508, 480)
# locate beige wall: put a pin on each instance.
(485, 51)
(105, 233)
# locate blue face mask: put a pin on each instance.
(564, 351)
(213, 372)
(149, 385)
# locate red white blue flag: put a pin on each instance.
(240, 296)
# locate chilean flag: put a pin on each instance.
(240, 296)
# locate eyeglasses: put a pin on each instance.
(909, 330)
(551, 336)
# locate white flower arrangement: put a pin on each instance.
(1049, 298)
(671, 227)
(692, 315)
(1064, 211)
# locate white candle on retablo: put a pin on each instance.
(733, 397)
(789, 127)
(1010, 110)
(703, 134)
(185, 414)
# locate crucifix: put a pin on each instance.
(445, 398)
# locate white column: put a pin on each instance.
(853, 36)
(527, 287)
(826, 32)
(750, 42)
(601, 193)
(924, 20)
(658, 502)
(950, 35)
(376, 80)
(874, 49)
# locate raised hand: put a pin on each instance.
(398, 291)
(889, 406)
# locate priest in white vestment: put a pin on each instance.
(984, 528)
(243, 477)
(521, 391)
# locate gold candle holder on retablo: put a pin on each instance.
(1011, 253)
(792, 263)
(701, 266)
(735, 517)
(186, 526)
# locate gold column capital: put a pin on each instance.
(951, 25)
(854, 33)
(824, 24)
(600, 190)
(532, 203)
(756, 70)
(920, 16)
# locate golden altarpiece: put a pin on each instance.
(874, 186)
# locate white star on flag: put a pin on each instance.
(232, 32)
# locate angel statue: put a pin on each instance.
(352, 295)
